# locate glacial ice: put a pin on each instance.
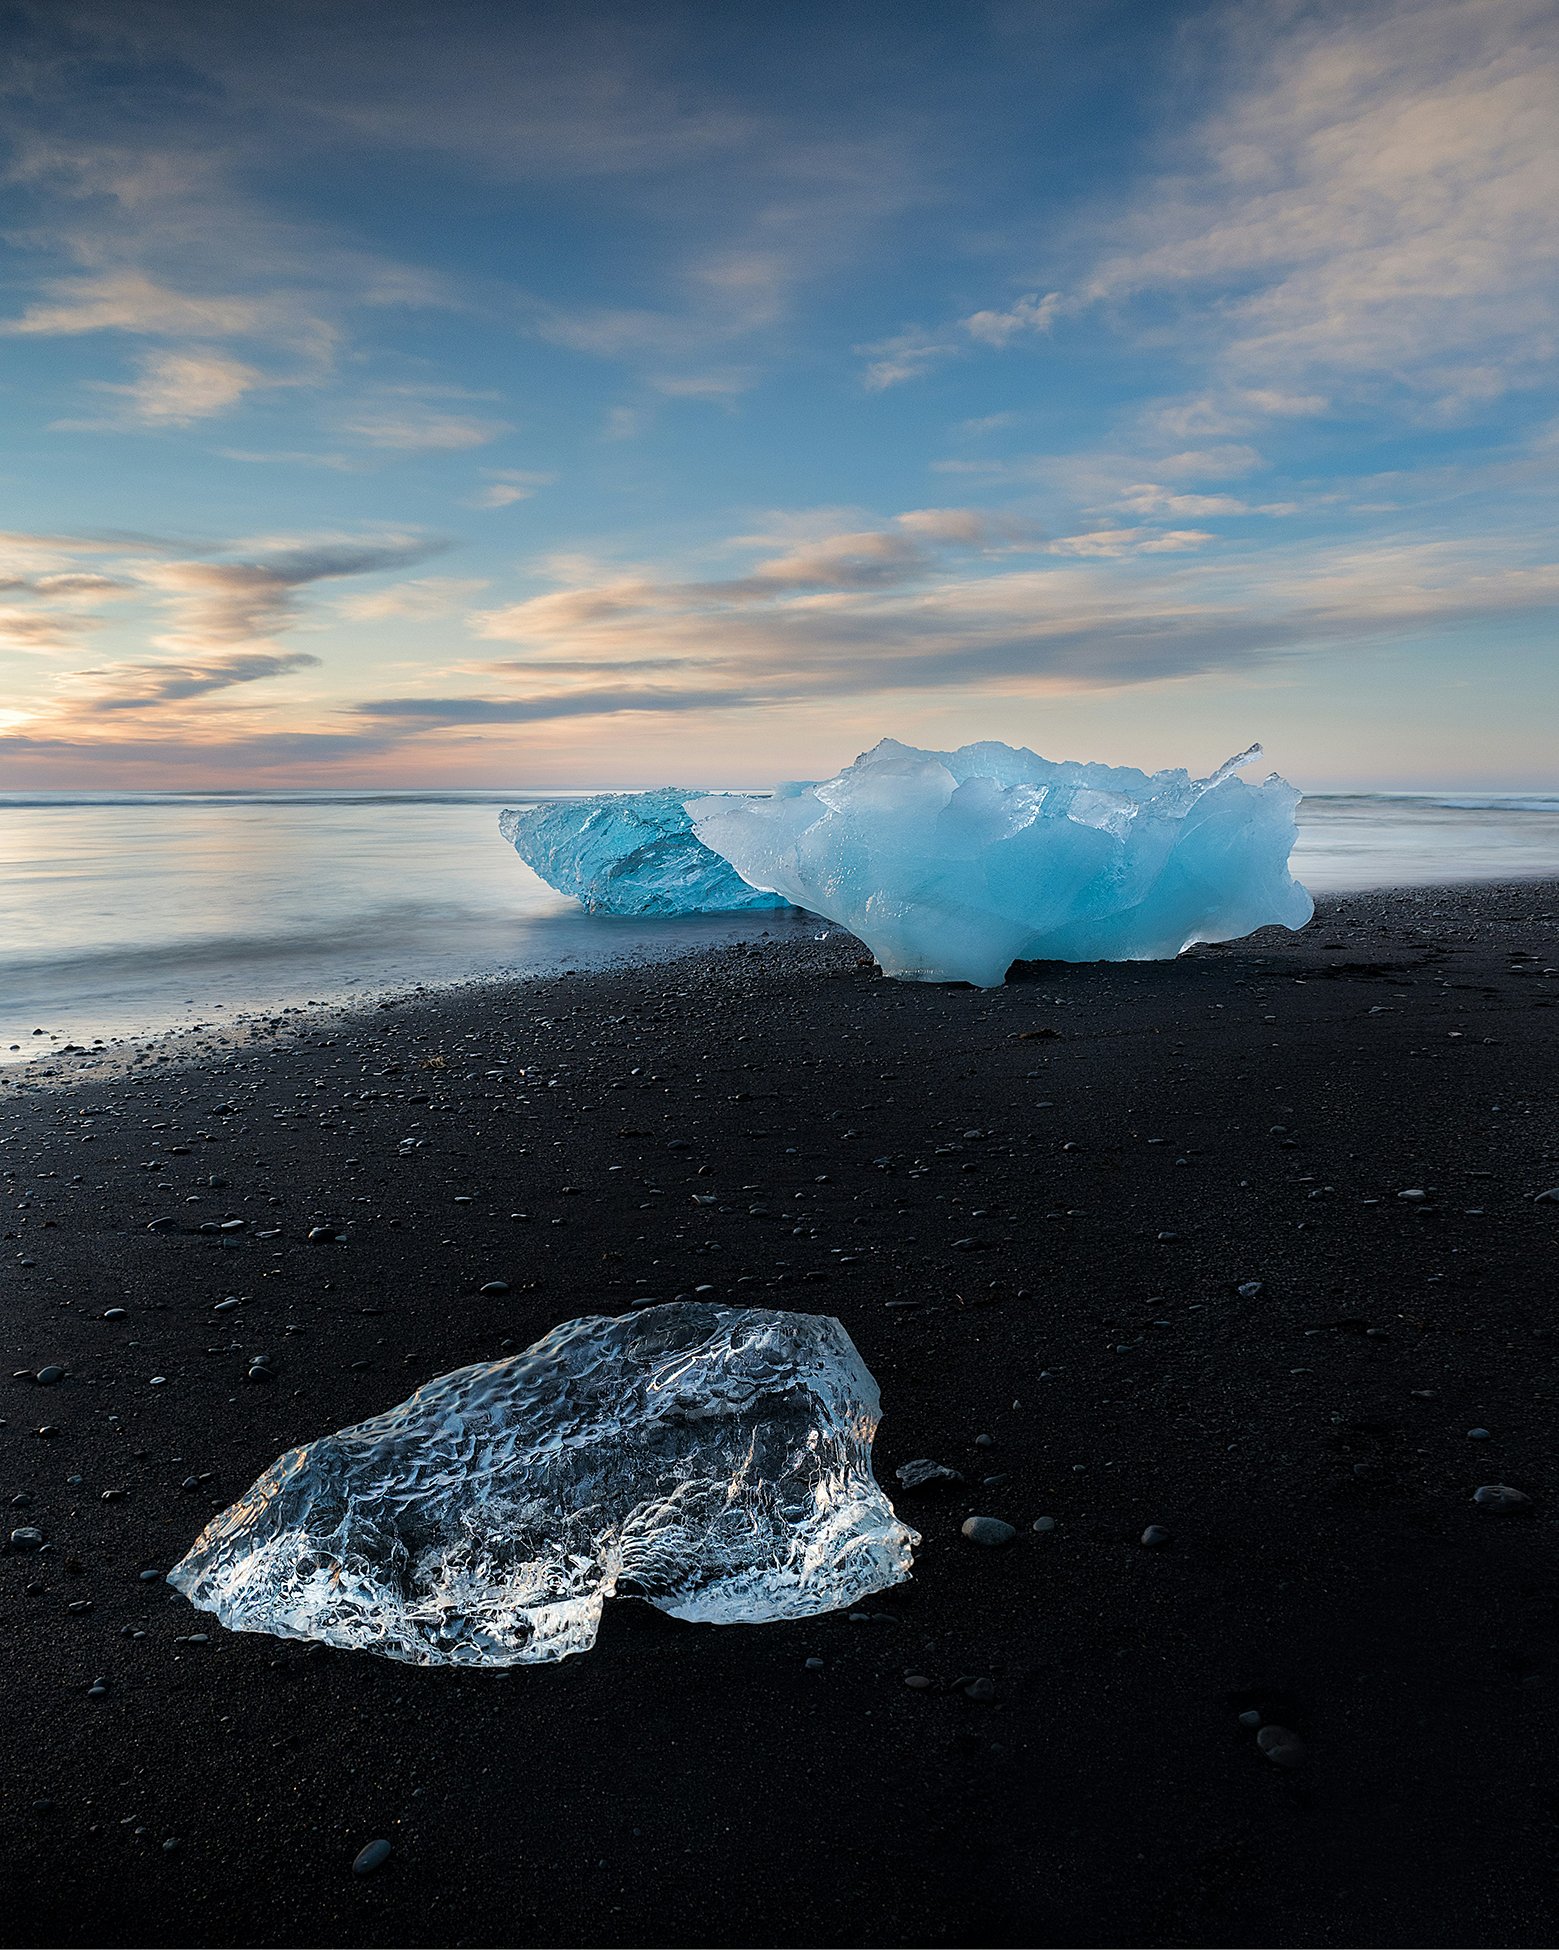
(953, 865)
(713, 1460)
(628, 853)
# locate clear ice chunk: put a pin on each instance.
(715, 1461)
(629, 853)
(951, 866)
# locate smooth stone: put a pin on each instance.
(1250, 1719)
(1477, 1435)
(26, 1538)
(1155, 1534)
(990, 1531)
(1500, 1498)
(921, 1470)
(495, 1286)
(50, 1375)
(374, 1856)
(1281, 1747)
(1043, 1524)
(116, 1313)
(918, 1682)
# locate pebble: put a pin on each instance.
(814, 1665)
(990, 1531)
(1281, 1747)
(374, 1856)
(116, 1313)
(98, 1689)
(1477, 1435)
(1251, 1719)
(496, 1286)
(918, 1682)
(922, 1470)
(1501, 1499)
(26, 1538)
(1248, 1289)
(48, 1376)
(1155, 1534)
(1043, 1524)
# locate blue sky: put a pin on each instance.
(508, 395)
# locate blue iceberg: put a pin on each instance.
(951, 866)
(629, 853)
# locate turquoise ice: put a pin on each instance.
(951, 866)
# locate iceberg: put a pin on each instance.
(951, 866)
(629, 853)
(715, 1461)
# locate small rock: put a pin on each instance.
(1550, 1197)
(27, 1538)
(115, 1313)
(990, 1531)
(1248, 1289)
(918, 1682)
(1500, 1499)
(1250, 1718)
(922, 1470)
(1155, 1534)
(1043, 1524)
(374, 1856)
(981, 1690)
(495, 1286)
(1477, 1435)
(814, 1665)
(1281, 1747)
(1414, 1195)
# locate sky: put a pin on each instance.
(506, 395)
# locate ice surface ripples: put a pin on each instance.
(714, 1461)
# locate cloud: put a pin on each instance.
(506, 486)
(244, 601)
(412, 429)
(909, 354)
(145, 686)
(129, 301)
(1145, 498)
(1030, 314)
(422, 599)
(1373, 201)
(177, 388)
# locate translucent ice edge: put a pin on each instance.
(954, 865)
(715, 1461)
(629, 853)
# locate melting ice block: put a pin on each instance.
(953, 865)
(628, 853)
(716, 1461)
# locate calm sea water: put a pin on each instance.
(122, 914)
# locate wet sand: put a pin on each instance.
(1141, 1226)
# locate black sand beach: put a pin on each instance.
(1142, 1227)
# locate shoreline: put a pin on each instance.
(1037, 1211)
(249, 1020)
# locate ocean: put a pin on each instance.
(125, 914)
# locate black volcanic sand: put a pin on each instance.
(1041, 1214)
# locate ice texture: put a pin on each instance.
(629, 853)
(713, 1460)
(951, 866)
